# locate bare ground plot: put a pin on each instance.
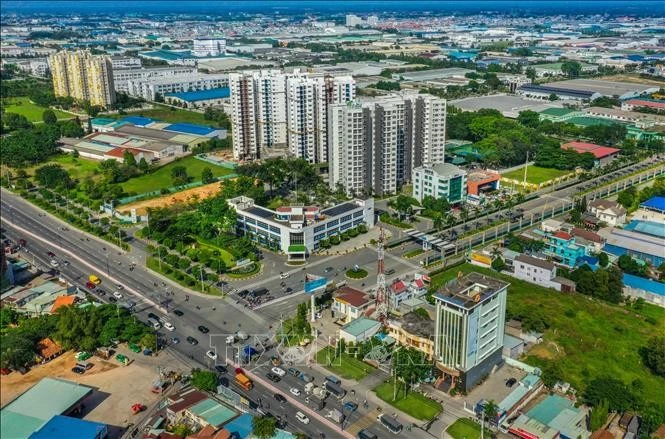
(635, 79)
(197, 193)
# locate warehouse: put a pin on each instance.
(509, 106)
(544, 92)
(198, 99)
(620, 90)
(430, 75)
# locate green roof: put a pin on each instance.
(549, 409)
(213, 412)
(34, 408)
(557, 111)
(360, 326)
(297, 248)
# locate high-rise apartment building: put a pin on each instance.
(83, 76)
(391, 135)
(288, 111)
(468, 334)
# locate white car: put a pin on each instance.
(118, 286)
(284, 276)
(169, 326)
(211, 355)
(302, 418)
(117, 295)
(294, 391)
(278, 371)
(54, 263)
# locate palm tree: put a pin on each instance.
(437, 222)
(490, 410)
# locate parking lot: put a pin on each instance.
(494, 388)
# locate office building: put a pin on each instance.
(209, 47)
(468, 336)
(83, 77)
(122, 76)
(125, 62)
(298, 230)
(442, 180)
(375, 144)
(277, 112)
(151, 89)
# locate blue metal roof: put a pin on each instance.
(202, 95)
(64, 427)
(138, 120)
(655, 203)
(190, 128)
(640, 283)
(241, 426)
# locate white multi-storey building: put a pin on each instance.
(349, 155)
(121, 77)
(209, 47)
(243, 116)
(469, 329)
(125, 62)
(441, 180)
(148, 89)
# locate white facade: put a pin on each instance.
(609, 212)
(349, 154)
(149, 88)
(125, 62)
(441, 180)
(209, 47)
(536, 271)
(122, 76)
(243, 115)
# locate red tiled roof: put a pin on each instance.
(120, 152)
(184, 400)
(398, 287)
(352, 297)
(47, 348)
(62, 301)
(643, 103)
(563, 235)
(209, 432)
(587, 234)
(598, 151)
(419, 283)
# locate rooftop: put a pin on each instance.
(603, 86)
(70, 428)
(598, 151)
(202, 95)
(352, 297)
(414, 323)
(558, 111)
(581, 94)
(655, 203)
(542, 263)
(213, 412)
(360, 326)
(470, 290)
(190, 128)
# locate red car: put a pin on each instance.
(90, 285)
(51, 255)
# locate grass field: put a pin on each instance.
(535, 174)
(414, 404)
(168, 114)
(466, 429)
(588, 338)
(23, 106)
(161, 178)
(344, 365)
(227, 257)
(79, 168)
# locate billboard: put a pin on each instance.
(314, 283)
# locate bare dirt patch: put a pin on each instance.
(186, 196)
(635, 79)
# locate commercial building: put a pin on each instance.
(469, 328)
(441, 180)
(150, 89)
(209, 47)
(350, 304)
(479, 182)
(298, 230)
(125, 62)
(563, 249)
(359, 330)
(603, 154)
(376, 143)
(199, 99)
(553, 417)
(413, 330)
(83, 76)
(274, 111)
(122, 76)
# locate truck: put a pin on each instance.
(94, 279)
(335, 389)
(247, 352)
(336, 416)
(243, 381)
(390, 423)
(241, 336)
(309, 387)
(230, 339)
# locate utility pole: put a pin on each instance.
(526, 165)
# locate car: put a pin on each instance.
(511, 382)
(272, 377)
(279, 397)
(178, 312)
(221, 369)
(119, 287)
(130, 303)
(169, 326)
(175, 340)
(101, 292)
(212, 355)
(117, 295)
(192, 341)
(54, 263)
(302, 418)
(89, 285)
(152, 315)
(203, 329)
(278, 371)
(79, 370)
(288, 289)
(112, 299)
(294, 391)
(293, 371)
(284, 276)
(350, 406)
(328, 269)
(51, 254)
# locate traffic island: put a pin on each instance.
(356, 273)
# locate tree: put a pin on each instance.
(264, 427)
(207, 176)
(653, 355)
(149, 340)
(179, 175)
(15, 121)
(571, 69)
(7, 317)
(490, 410)
(551, 373)
(53, 176)
(529, 118)
(75, 153)
(599, 415)
(71, 128)
(204, 380)
(410, 366)
(618, 396)
(530, 73)
(553, 97)
(16, 350)
(498, 264)
(49, 117)
(128, 158)
(603, 259)
(143, 165)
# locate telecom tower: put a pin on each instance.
(382, 299)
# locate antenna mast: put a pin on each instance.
(382, 300)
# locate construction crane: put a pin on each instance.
(382, 299)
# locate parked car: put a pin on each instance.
(117, 295)
(294, 391)
(192, 340)
(293, 371)
(511, 382)
(350, 406)
(175, 340)
(203, 329)
(78, 370)
(169, 326)
(178, 312)
(54, 263)
(221, 369)
(212, 355)
(278, 371)
(112, 299)
(272, 377)
(101, 292)
(329, 269)
(51, 254)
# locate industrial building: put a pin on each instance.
(84, 77)
(604, 87)
(468, 336)
(149, 89)
(544, 92)
(208, 47)
(199, 99)
(509, 106)
(603, 154)
(441, 180)
(122, 76)
(298, 230)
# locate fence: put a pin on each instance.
(216, 162)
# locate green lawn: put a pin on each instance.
(344, 365)
(154, 265)
(161, 178)
(227, 257)
(168, 114)
(535, 174)
(414, 404)
(353, 274)
(79, 168)
(413, 253)
(466, 429)
(588, 338)
(23, 106)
